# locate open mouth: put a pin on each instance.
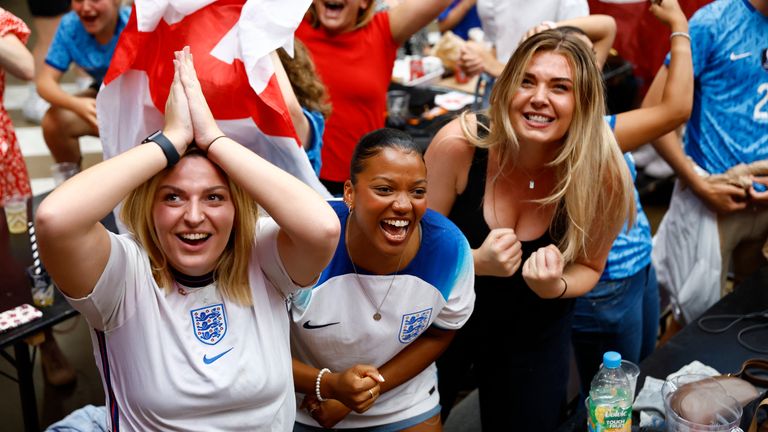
(333, 6)
(395, 229)
(194, 239)
(88, 19)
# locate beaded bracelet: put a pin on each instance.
(683, 34)
(317, 384)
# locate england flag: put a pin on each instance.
(231, 41)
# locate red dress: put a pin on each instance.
(14, 179)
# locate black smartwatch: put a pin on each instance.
(171, 155)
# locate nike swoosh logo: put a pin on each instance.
(207, 360)
(735, 56)
(309, 326)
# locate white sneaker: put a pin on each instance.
(34, 107)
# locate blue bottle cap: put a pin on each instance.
(611, 359)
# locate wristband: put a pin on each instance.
(214, 140)
(170, 152)
(564, 289)
(683, 34)
(317, 384)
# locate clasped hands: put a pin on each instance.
(501, 255)
(355, 389)
(187, 115)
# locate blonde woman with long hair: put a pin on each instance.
(188, 317)
(541, 190)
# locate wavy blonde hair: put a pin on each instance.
(363, 17)
(593, 181)
(231, 271)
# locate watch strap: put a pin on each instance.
(170, 152)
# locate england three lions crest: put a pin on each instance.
(414, 324)
(209, 323)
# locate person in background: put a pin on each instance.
(505, 22)
(460, 17)
(86, 36)
(16, 59)
(188, 310)
(400, 284)
(728, 127)
(354, 51)
(46, 15)
(307, 100)
(541, 191)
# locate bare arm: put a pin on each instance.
(300, 121)
(47, 82)
(73, 244)
(659, 117)
(399, 369)
(448, 160)
(16, 58)
(721, 198)
(304, 248)
(410, 16)
(600, 29)
(475, 58)
(455, 16)
(547, 275)
(415, 357)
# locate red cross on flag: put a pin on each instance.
(231, 41)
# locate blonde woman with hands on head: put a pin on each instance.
(188, 310)
(540, 189)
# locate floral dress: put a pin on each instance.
(14, 179)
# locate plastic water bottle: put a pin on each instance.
(610, 398)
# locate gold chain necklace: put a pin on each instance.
(377, 314)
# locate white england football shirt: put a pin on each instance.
(197, 361)
(333, 324)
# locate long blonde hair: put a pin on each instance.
(593, 181)
(231, 271)
(363, 17)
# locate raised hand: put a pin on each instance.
(500, 254)
(204, 126)
(543, 270)
(669, 12)
(178, 123)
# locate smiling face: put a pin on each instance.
(388, 200)
(99, 17)
(339, 16)
(542, 108)
(193, 213)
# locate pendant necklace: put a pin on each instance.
(377, 314)
(531, 183)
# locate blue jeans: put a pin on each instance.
(620, 315)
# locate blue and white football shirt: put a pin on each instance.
(631, 251)
(333, 324)
(729, 121)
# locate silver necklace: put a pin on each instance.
(377, 314)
